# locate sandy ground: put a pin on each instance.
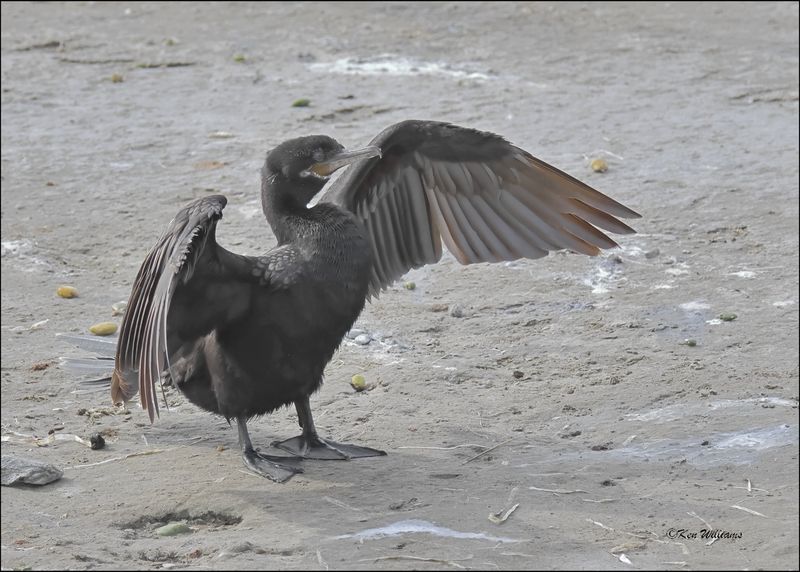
(572, 375)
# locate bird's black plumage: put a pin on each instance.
(243, 335)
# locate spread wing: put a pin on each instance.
(204, 285)
(485, 198)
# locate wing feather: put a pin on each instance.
(142, 350)
(484, 198)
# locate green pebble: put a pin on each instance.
(409, 286)
(239, 58)
(691, 343)
(358, 382)
(173, 528)
(303, 102)
(727, 317)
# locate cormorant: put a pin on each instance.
(241, 336)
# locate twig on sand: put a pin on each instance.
(558, 491)
(322, 561)
(652, 538)
(23, 439)
(489, 450)
(443, 448)
(604, 527)
(502, 516)
(701, 519)
(122, 458)
(419, 558)
(751, 511)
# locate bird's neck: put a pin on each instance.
(285, 203)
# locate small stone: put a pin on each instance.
(439, 307)
(358, 382)
(650, 254)
(599, 165)
(67, 292)
(97, 442)
(21, 470)
(456, 311)
(728, 317)
(240, 58)
(690, 342)
(409, 286)
(103, 328)
(302, 102)
(117, 78)
(363, 339)
(518, 374)
(118, 308)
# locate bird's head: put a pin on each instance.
(302, 166)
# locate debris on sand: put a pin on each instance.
(67, 292)
(173, 529)
(103, 328)
(358, 382)
(118, 308)
(599, 165)
(502, 516)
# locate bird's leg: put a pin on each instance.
(309, 445)
(265, 465)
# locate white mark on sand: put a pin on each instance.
(389, 64)
(673, 412)
(416, 526)
(23, 251)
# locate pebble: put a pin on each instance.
(21, 470)
(67, 291)
(363, 339)
(456, 311)
(652, 253)
(103, 329)
(358, 382)
(354, 333)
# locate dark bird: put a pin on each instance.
(241, 336)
